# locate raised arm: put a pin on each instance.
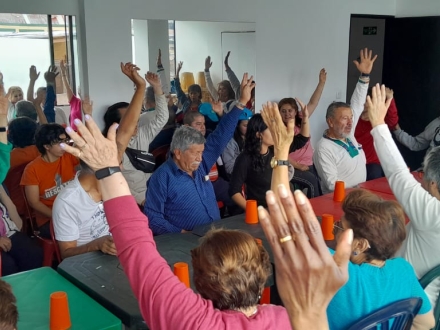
(180, 94)
(162, 74)
(149, 126)
(33, 76)
(129, 121)
(164, 301)
(209, 84)
(65, 79)
(37, 104)
(418, 204)
(360, 93)
(49, 105)
(235, 83)
(316, 96)
(217, 140)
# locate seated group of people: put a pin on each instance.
(92, 211)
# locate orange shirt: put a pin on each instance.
(50, 178)
(24, 155)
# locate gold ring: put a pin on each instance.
(285, 239)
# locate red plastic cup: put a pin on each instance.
(181, 270)
(251, 212)
(339, 193)
(265, 297)
(327, 223)
(59, 311)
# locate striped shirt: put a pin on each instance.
(175, 200)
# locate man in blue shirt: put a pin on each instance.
(180, 195)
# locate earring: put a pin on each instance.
(355, 253)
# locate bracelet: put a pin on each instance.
(366, 75)
(3, 129)
(240, 105)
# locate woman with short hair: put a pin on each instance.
(376, 279)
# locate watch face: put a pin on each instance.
(273, 162)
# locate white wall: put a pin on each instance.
(196, 40)
(411, 8)
(141, 56)
(299, 39)
(295, 39)
(158, 38)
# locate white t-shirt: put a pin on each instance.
(11, 227)
(77, 217)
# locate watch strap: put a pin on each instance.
(3, 129)
(107, 171)
(282, 162)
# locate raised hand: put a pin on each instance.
(282, 135)
(153, 79)
(131, 71)
(217, 107)
(159, 58)
(367, 60)
(91, 146)
(378, 105)
(4, 102)
(389, 92)
(208, 63)
(246, 88)
(227, 60)
(179, 67)
(307, 275)
(322, 76)
(51, 74)
(33, 75)
(87, 106)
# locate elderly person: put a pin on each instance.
(228, 296)
(420, 202)
(338, 156)
(180, 195)
(379, 230)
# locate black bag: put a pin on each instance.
(141, 160)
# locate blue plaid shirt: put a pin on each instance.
(175, 200)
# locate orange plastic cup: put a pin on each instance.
(265, 297)
(327, 222)
(181, 270)
(251, 212)
(339, 193)
(59, 311)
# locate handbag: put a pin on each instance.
(141, 160)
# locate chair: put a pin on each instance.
(424, 282)
(12, 183)
(55, 243)
(160, 154)
(47, 244)
(402, 313)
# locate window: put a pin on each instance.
(40, 40)
(172, 47)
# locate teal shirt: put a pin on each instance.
(5, 158)
(370, 288)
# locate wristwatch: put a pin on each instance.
(276, 162)
(3, 129)
(107, 171)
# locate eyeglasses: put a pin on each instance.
(68, 141)
(337, 228)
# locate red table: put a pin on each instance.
(326, 204)
(382, 185)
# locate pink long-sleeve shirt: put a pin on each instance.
(164, 301)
